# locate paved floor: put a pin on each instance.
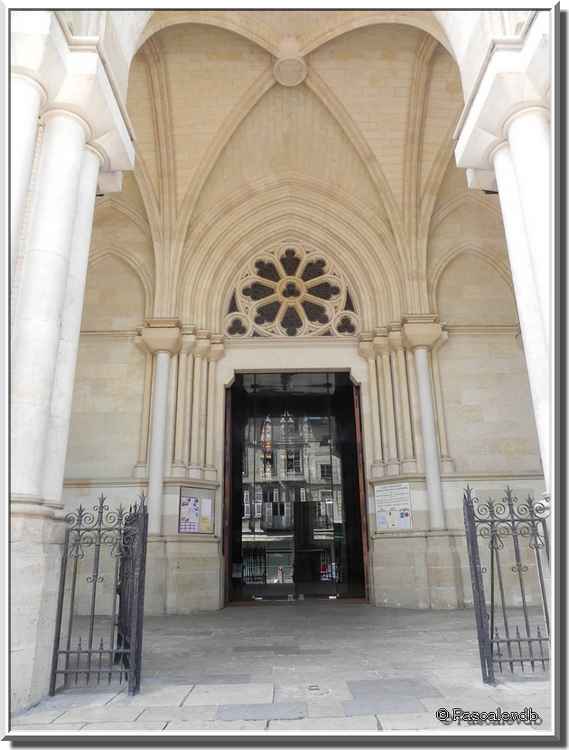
(306, 666)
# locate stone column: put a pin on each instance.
(199, 408)
(421, 332)
(62, 395)
(40, 305)
(447, 464)
(367, 351)
(415, 409)
(162, 338)
(214, 355)
(184, 405)
(405, 430)
(381, 346)
(26, 99)
(141, 466)
(528, 135)
(529, 311)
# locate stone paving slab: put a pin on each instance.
(258, 711)
(37, 715)
(312, 691)
(325, 708)
(56, 729)
(67, 700)
(392, 688)
(423, 720)
(175, 713)
(216, 726)
(345, 724)
(270, 655)
(99, 714)
(378, 705)
(154, 695)
(124, 726)
(227, 694)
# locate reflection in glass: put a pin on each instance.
(291, 446)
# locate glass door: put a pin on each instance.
(289, 520)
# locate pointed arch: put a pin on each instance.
(465, 248)
(142, 273)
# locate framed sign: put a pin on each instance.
(393, 506)
(195, 512)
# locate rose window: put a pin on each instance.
(291, 291)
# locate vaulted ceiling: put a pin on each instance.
(369, 130)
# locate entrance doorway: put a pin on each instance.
(294, 523)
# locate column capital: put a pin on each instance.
(381, 342)
(395, 337)
(216, 349)
(161, 335)
(515, 76)
(75, 78)
(203, 343)
(365, 345)
(421, 331)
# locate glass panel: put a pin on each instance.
(290, 537)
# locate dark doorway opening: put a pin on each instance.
(295, 520)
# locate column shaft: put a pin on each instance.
(406, 429)
(38, 317)
(392, 459)
(158, 441)
(145, 415)
(525, 286)
(25, 101)
(528, 135)
(415, 409)
(199, 412)
(179, 466)
(62, 395)
(188, 422)
(431, 449)
(211, 411)
(374, 404)
(397, 404)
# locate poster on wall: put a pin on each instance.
(195, 515)
(393, 506)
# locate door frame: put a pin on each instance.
(227, 497)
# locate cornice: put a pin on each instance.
(514, 78)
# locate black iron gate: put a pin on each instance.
(512, 614)
(98, 631)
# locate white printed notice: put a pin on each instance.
(392, 506)
(196, 514)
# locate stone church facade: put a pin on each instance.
(201, 194)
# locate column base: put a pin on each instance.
(378, 470)
(409, 466)
(418, 569)
(156, 579)
(140, 471)
(178, 471)
(393, 468)
(195, 472)
(210, 473)
(447, 465)
(37, 535)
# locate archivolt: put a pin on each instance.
(289, 209)
(472, 249)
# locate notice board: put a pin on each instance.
(195, 513)
(393, 506)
